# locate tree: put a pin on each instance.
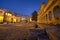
(34, 16)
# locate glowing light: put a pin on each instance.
(14, 20)
(1, 18)
(8, 14)
(30, 19)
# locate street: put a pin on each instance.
(23, 31)
(29, 19)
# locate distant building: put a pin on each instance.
(1, 15)
(5, 16)
(9, 17)
(18, 18)
(24, 18)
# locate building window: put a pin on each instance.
(56, 11)
(46, 16)
(50, 15)
(0, 11)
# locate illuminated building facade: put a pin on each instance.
(49, 13)
(24, 18)
(2, 14)
(14, 19)
(6, 16)
(18, 18)
(9, 17)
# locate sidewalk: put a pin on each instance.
(52, 30)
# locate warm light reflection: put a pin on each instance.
(1, 18)
(14, 20)
(30, 19)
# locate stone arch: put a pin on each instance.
(56, 11)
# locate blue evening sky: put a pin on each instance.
(25, 7)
